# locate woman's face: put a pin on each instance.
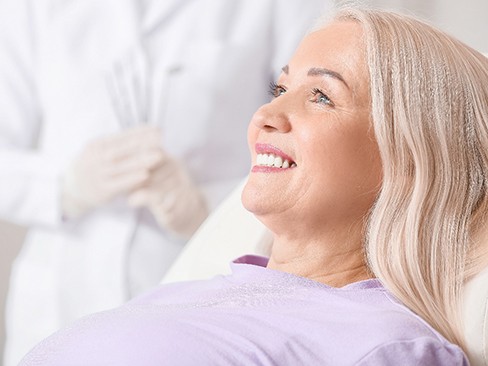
(314, 157)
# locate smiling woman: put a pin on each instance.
(369, 167)
(320, 118)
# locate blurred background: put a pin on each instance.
(11, 237)
(466, 20)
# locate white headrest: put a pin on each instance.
(475, 315)
(228, 233)
(231, 231)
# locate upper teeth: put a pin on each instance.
(273, 160)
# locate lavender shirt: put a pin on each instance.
(255, 316)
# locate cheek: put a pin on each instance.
(364, 169)
(252, 136)
(348, 169)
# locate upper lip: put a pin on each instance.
(262, 148)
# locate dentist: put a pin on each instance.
(121, 125)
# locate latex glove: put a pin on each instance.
(109, 167)
(174, 200)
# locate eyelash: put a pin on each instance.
(317, 93)
(276, 90)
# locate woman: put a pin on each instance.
(376, 212)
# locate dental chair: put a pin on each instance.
(231, 231)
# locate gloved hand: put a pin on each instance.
(109, 167)
(172, 197)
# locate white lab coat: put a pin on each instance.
(209, 63)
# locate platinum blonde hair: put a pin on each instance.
(429, 110)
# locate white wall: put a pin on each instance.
(466, 20)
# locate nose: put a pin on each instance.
(271, 117)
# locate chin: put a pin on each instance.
(257, 200)
(249, 197)
(252, 198)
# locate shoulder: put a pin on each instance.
(382, 331)
(420, 351)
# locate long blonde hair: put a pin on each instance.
(429, 109)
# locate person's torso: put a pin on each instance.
(253, 317)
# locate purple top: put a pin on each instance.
(255, 316)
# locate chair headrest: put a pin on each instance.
(475, 316)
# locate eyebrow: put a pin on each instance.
(320, 71)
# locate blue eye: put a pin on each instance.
(276, 90)
(320, 97)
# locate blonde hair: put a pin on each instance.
(429, 109)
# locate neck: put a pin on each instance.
(333, 263)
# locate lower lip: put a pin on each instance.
(268, 169)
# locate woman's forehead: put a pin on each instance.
(338, 52)
(338, 47)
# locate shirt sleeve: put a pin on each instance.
(419, 352)
(29, 180)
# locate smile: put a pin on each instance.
(272, 160)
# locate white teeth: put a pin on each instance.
(259, 159)
(273, 161)
(278, 161)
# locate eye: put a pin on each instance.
(276, 90)
(320, 97)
